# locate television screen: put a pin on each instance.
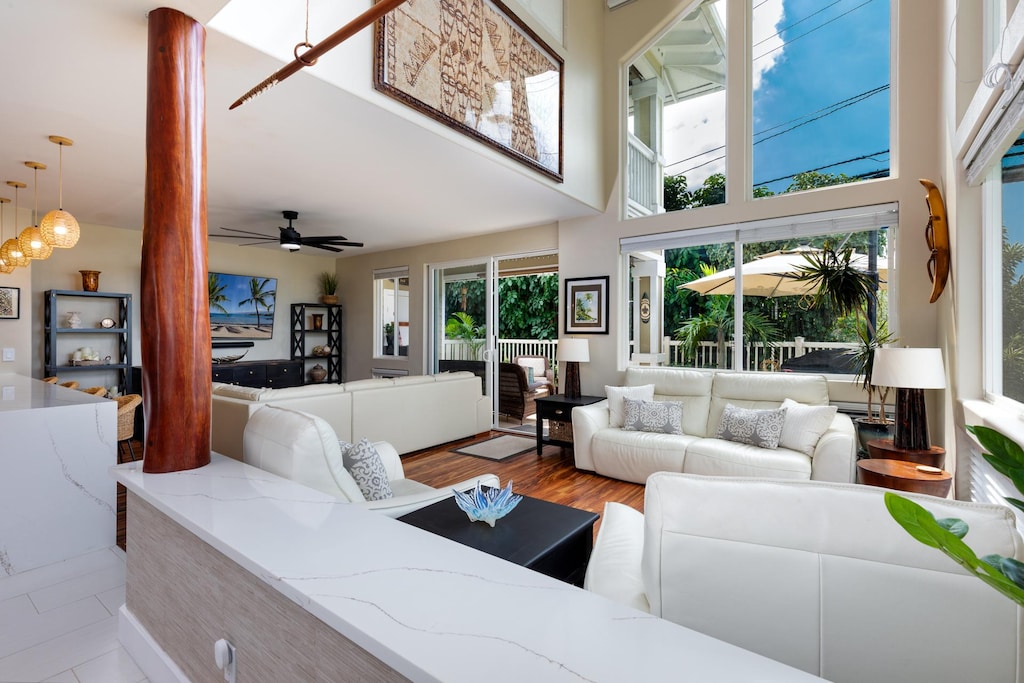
(241, 306)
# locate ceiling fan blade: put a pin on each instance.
(322, 246)
(337, 241)
(249, 232)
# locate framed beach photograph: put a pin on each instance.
(10, 303)
(475, 67)
(241, 306)
(586, 302)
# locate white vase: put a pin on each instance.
(74, 321)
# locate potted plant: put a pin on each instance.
(389, 338)
(838, 283)
(328, 287)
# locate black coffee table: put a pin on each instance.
(552, 539)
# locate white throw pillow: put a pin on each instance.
(760, 428)
(662, 417)
(617, 404)
(804, 425)
(364, 464)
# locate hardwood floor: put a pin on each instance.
(552, 476)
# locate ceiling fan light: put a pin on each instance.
(290, 246)
(60, 229)
(10, 252)
(32, 244)
(290, 239)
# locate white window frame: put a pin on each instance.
(394, 275)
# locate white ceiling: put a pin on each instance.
(77, 68)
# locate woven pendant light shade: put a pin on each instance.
(60, 229)
(31, 238)
(32, 244)
(10, 251)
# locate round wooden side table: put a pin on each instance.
(903, 475)
(885, 448)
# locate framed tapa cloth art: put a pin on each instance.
(475, 67)
(10, 303)
(586, 305)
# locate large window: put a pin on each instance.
(816, 111)
(784, 325)
(1012, 280)
(391, 312)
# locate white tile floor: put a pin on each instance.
(58, 623)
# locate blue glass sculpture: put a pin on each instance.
(487, 505)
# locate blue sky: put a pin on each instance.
(820, 54)
(237, 289)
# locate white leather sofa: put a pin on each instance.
(411, 413)
(303, 447)
(816, 575)
(635, 455)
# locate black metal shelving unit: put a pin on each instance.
(304, 338)
(121, 363)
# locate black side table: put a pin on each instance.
(557, 410)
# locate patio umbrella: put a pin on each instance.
(773, 274)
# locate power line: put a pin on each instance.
(822, 168)
(829, 110)
(822, 25)
(784, 28)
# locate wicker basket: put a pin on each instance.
(126, 415)
(560, 431)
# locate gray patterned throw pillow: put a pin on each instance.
(664, 417)
(755, 427)
(364, 464)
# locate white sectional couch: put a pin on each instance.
(410, 413)
(816, 575)
(635, 455)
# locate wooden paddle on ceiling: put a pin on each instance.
(332, 41)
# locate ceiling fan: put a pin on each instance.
(290, 238)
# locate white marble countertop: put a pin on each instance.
(430, 608)
(18, 392)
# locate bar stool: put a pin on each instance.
(126, 406)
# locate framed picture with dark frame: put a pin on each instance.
(10, 303)
(503, 86)
(586, 305)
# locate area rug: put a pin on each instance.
(498, 447)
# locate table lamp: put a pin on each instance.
(910, 372)
(572, 352)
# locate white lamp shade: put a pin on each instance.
(908, 368)
(573, 350)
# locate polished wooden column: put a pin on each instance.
(174, 309)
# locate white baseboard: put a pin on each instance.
(148, 655)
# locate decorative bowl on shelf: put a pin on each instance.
(488, 505)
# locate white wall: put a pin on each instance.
(17, 334)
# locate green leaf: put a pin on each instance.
(1017, 503)
(1003, 453)
(1009, 567)
(957, 527)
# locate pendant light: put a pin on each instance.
(10, 251)
(4, 268)
(31, 238)
(60, 228)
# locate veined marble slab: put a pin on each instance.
(430, 608)
(56, 497)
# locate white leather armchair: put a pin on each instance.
(303, 447)
(816, 575)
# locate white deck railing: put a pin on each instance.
(643, 173)
(758, 356)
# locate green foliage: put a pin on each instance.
(1005, 574)
(217, 296)
(1013, 319)
(923, 526)
(717, 323)
(809, 180)
(528, 304)
(864, 362)
(462, 326)
(837, 283)
(328, 283)
(677, 196)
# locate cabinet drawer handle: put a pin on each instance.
(558, 411)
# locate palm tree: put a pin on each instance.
(462, 326)
(258, 297)
(217, 296)
(719, 322)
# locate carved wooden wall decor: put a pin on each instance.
(937, 236)
(474, 66)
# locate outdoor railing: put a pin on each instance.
(643, 177)
(458, 349)
(757, 355)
